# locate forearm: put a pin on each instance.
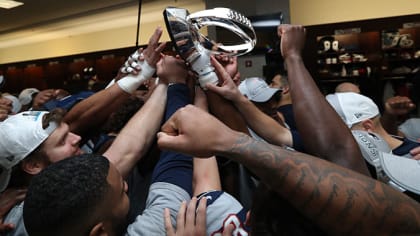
(225, 111)
(137, 135)
(92, 112)
(205, 175)
(339, 200)
(389, 122)
(325, 126)
(265, 126)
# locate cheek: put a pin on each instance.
(60, 153)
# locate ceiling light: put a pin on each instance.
(266, 23)
(9, 4)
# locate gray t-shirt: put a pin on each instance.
(161, 195)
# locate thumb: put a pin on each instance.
(170, 142)
(214, 88)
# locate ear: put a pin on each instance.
(368, 125)
(33, 165)
(285, 89)
(98, 230)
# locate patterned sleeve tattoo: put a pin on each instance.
(339, 200)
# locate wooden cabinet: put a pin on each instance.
(372, 53)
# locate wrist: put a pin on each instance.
(239, 99)
(130, 82)
(293, 57)
(228, 143)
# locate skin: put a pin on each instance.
(394, 107)
(188, 221)
(8, 199)
(339, 200)
(114, 221)
(325, 128)
(93, 111)
(347, 87)
(5, 108)
(258, 121)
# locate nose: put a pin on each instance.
(74, 139)
(125, 187)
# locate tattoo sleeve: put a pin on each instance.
(339, 200)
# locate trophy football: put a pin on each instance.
(195, 47)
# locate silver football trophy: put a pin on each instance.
(196, 48)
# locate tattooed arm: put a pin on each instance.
(339, 200)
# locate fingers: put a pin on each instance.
(415, 152)
(169, 142)
(190, 217)
(214, 88)
(10, 197)
(220, 71)
(168, 223)
(160, 48)
(6, 227)
(228, 230)
(155, 37)
(180, 219)
(201, 215)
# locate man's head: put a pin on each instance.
(82, 195)
(30, 141)
(347, 87)
(357, 111)
(264, 97)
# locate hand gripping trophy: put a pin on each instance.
(196, 48)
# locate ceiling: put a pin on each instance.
(43, 20)
(41, 12)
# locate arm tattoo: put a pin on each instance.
(339, 200)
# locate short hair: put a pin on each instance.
(65, 197)
(19, 177)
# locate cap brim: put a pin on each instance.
(266, 95)
(403, 171)
(4, 178)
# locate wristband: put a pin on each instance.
(112, 82)
(131, 82)
(209, 78)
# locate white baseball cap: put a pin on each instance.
(353, 107)
(399, 172)
(256, 89)
(20, 135)
(25, 97)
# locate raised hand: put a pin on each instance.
(399, 105)
(230, 63)
(292, 40)
(153, 51)
(43, 97)
(228, 88)
(191, 130)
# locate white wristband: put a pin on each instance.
(131, 82)
(110, 83)
(209, 78)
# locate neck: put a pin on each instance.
(391, 141)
